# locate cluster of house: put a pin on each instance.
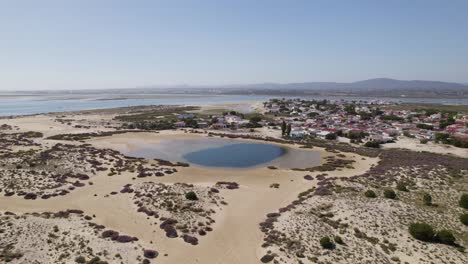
(230, 121)
(363, 120)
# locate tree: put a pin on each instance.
(253, 122)
(441, 137)
(350, 109)
(464, 201)
(445, 123)
(255, 119)
(331, 136)
(283, 128)
(288, 130)
(391, 118)
(190, 122)
(425, 126)
(427, 199)
(422, 231)
(389, 194)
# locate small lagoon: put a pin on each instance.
(225, 153)
(240, 155)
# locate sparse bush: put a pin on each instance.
(110, 233)
(80, 259)
(370, 194)
(97, 260)
(464, 218)
(8, 255)
(326, 243)
(389, 194)
(191, 196)
(267, 258)
(125, 239)
(464, 201)
(151, 254)
(372, 144)
(422, 231)
(427, 198)
(401, 186)
(338, 240)
(445, 237)
(331, 136)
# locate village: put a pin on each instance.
(369, 122)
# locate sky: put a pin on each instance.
(93, 44)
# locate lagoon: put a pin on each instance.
(224, 153)
(37, 104)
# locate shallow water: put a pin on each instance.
(36, 104)
(227, 153)
(239, 155)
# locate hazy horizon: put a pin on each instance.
(221, 86)
(61, 45)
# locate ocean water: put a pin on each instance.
(40, 105)
(26, 105)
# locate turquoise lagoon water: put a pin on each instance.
(224, 153)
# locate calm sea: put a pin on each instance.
(26, 105)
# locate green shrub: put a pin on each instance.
(422, 231)
(370, 194)
(191, 196)
(372, 144)
(390, 194)
(427, 199)
(401, 186)
(97, 260)
(464, 201)
(445, 237)
(80, 259)
(326, 243)
(331, 136)
(464, 218)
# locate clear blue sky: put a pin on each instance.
(67, 44)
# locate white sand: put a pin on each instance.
(415, 145)
(236, 237)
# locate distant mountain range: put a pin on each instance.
(371, 88)
(378, 83)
